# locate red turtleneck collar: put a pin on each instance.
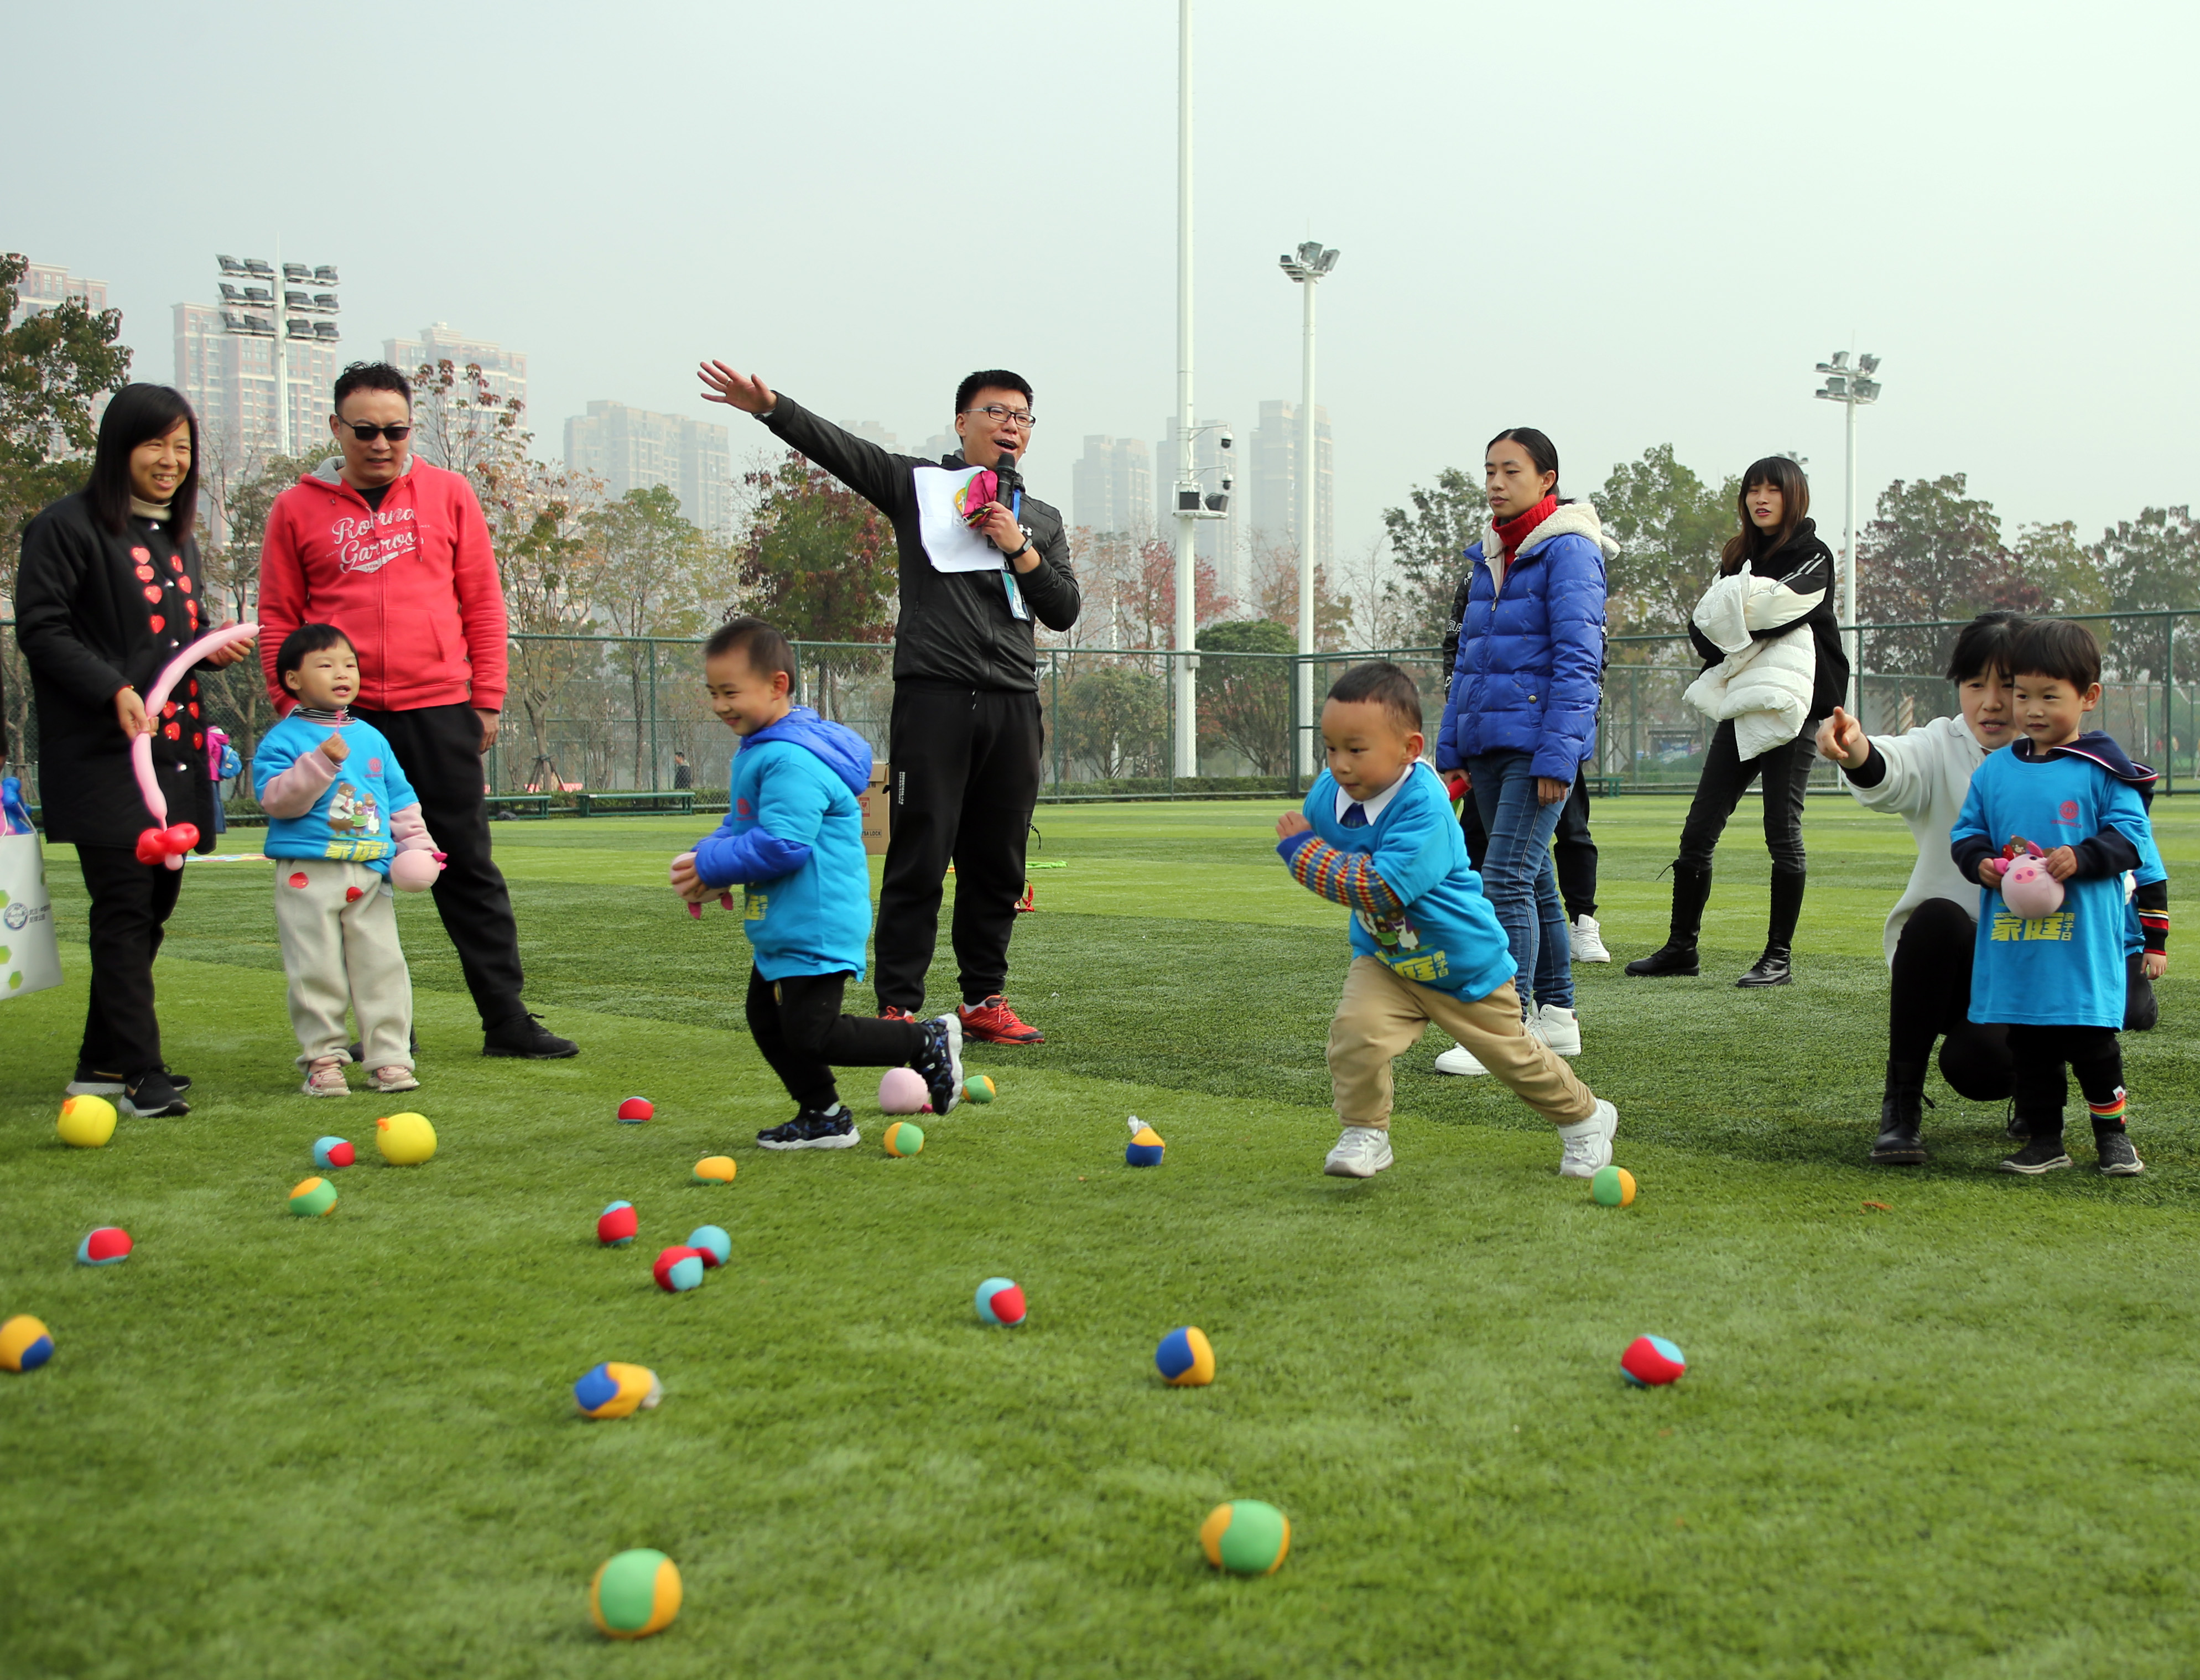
(1514, 532)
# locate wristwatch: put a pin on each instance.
(1018, 553)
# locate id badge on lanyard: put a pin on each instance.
(1016, 608)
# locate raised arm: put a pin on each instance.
(879, 476)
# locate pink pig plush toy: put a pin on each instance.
(2026, 886)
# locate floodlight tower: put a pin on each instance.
(1308, 268)
(285, 317)
(1851, 387)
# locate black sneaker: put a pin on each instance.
(812, 1130)
(2118, 1159)
(940, 1064)
(153, 1097)
(90, 1082)
(2039, 1155)
(524, 1035)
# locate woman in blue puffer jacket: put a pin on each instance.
(1521, 716)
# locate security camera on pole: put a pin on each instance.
(1851, 386)
(1308, 268)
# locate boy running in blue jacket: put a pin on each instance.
(1376, 835)
(792, 843)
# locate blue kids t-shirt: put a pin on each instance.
(1446, 936)
(350, 821)
(2065, 969)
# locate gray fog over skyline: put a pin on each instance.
(1624, 225)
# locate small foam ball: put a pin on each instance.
(330, 1153)
(105, 1246)
(1185, 1359)
(716, 1169)
(1652, 1361)
(616, 1224)
(1000, 1301)
(313, 1198)
(902, 1092)
(635, 1595)
(635, 1109)
(1612, 1186)
(712, 1243)
(616, 1390)
(678, 1268)
(1144, 1148)
(904, 1136)
(406, 1139)
(85, 1122)
(979, 1088)
(25, 1344)
(1247, 1537)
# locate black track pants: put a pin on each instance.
(1929, 997)
(439, 749)
(1572, 849)
(966, 768)
(798, 1024)
(1726, 778)
(131, 903)
(2093, 1053)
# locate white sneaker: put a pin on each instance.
(1559, 1028)
(1588, 1143)
(1585, 939)
(1362, 1152)
(1459, 1059)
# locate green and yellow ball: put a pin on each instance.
(1247, 1537)
(1612, 1187)
(635, 1595)
(979, 1088)
(85, 1122)
(716, 1169)
(314, 1197)
(904, 1138)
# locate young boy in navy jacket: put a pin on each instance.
(2058, 981)
(792, 843)
(1376, 835)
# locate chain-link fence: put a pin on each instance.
(608, 714)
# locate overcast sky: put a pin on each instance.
(1624, 224)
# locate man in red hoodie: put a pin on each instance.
(394, 553)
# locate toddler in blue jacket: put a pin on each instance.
(792, 843)
(1376, 835)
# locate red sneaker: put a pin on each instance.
(888, 1012)
(993, 1022)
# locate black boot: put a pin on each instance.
(1774, 967)
(1901, 1117)
(1692, 890)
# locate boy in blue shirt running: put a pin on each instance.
(2058, 980)
(1376, 835)
(793, 843)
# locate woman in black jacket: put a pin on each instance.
(108, 594)
(1789, 595)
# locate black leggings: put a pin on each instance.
(131, 903)
(1726, 778)
(798, 1024)
(1572, 849)
(1929, 997)
(2093, 1053)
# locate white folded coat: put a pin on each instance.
(1763, 684)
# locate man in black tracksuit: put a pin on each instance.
(965, 745)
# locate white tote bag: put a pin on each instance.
(30, 960)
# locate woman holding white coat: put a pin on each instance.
(1774, 669)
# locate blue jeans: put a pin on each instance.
(1518, 877)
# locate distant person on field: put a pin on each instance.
(2058, 981)
(395, 554)
(793, 845)
(965, 744)
(344, 827)
(1376, 835)
(683, 774)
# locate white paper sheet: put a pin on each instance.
(949, 544)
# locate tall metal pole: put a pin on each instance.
(1307, 755)
(1849, 579)
(1186, 754)
(282, 358)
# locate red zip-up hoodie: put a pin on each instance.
(414, 586)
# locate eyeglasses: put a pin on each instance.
(1021, 419)
(368, 434)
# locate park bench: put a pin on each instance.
(672, 803)
(517, 805)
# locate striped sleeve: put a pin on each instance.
(1348, 878)
(2152, 903)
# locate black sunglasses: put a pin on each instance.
(368, 434)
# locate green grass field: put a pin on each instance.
(1959, 1437)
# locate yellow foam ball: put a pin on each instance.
(86, 1122)
(406, 1139)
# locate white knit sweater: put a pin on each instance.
(1928, 772)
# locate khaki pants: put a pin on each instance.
(339, 932)
(1380, 1017)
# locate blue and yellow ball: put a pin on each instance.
(1144, 1148)
(1001, 1301)
(616, 1390)
(25, 1344)
(904, 1138)
(635, 1595)
(1184, 1358)
(1612, 1187)
(313, 1198)
(1247, 1537)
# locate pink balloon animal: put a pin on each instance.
(162, 843)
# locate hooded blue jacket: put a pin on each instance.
(794, 837)
(1530, 667)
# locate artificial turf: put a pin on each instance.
(1954, 1437)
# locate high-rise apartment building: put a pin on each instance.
(506, 371)
(632, 448)
(1112, 486)
(229, 379)
(43, 286)
(1220, 542)
(1271, 467)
